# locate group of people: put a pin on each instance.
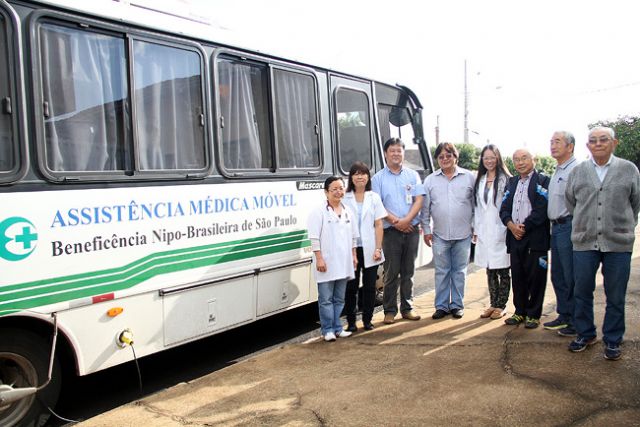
(586, 213)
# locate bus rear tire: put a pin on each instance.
(24, 362)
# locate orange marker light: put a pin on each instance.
(113, 312)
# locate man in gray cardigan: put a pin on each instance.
(603, 195)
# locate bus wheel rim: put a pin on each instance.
(16, 371)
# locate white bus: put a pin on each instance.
(155, 184)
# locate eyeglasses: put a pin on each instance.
(336, 190)
(521, 159)
(445, 156)
(601, 140)
(489, 159)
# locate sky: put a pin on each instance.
(532, 67)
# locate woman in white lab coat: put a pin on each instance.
(333, 233)
(489, 232)
(369, 211)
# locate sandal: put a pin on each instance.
(488, 312)
(498, 313)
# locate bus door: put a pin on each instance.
(352, 118)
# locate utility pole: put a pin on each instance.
(466, 106)
(437, 130)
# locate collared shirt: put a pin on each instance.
(557, 207)
(398, 191)
(601, 171)
(521, 204)
(449, 202)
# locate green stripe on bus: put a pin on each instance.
(148, 267)
(150, 257)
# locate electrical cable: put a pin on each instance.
(137, 368)
(63, 418)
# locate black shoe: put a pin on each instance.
(457, 313)
(368, 326)
(555, 325)
(439, 314)
(352, 327)
(612, 352)
(569, 331)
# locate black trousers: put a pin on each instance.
(528, 279)
(369, 276)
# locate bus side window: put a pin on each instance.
(296, 118)
(84, 79)
(169, 103)
(395, 122)
(244, 110)
(354, 128)
(7, 148)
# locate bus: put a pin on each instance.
(155, 184)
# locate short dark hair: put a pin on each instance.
(355, 168)
(448, 147)
(328, 181)
(392, 141)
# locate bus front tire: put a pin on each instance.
(24, 362)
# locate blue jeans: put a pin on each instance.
(562, 270)
(330, 305)
(451, 258)
(615, 271)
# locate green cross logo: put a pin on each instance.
(18, 238)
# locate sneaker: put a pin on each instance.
(410, 315)
(514, 320)
(368, 326)
(612, 352)
(531, 323)
(352, 327)
(329, 336)
(569, 331)
(439, 314)
(457, 313)
(554, 325)
(389, 318)
(580, 344)
(343, 334)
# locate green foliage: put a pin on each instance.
(544, 164)
(469, 156)
(627, 131)
(508, 162)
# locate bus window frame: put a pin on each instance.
(271, 66)
(15, 74)
(372, 122)
(128, 34)
(413, 111)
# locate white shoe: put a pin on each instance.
(330, 336)
(344, 334)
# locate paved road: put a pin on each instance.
(448, 372)
(95, 394)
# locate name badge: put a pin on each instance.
(407, 196)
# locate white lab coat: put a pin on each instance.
(372, 209)
(337, 236)
(491, 248)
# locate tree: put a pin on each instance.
(627, 131)
(544, 164)
(468, 156)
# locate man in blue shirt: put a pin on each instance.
(402, 195)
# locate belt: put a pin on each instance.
(562, 220)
